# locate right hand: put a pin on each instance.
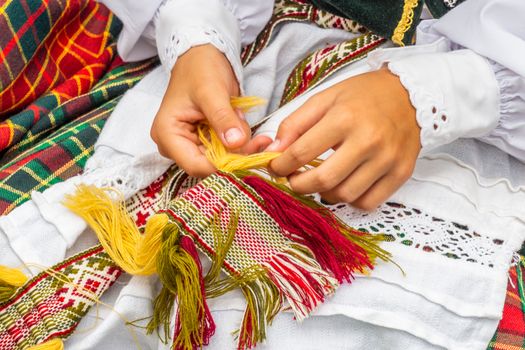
(201, 84)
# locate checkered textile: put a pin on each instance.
(511, 329)
(64, 153)
(48, 46)
(60, 78)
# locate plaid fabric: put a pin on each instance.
(511, 329)
(35, 166)
(60, 79)
(61, 47)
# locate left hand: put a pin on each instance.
(370, 123)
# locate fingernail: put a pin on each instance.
(233, 135)
(273, 146)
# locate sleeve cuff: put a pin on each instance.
(455, 94)
(183, 24)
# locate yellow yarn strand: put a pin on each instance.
(116, 231)
(225, 161)
(10, 280)
(53, 344)
(13, 277)
(405, 22)
(246, 103)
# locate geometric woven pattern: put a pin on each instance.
(286, 11)
(258, 236)
(47, 306)
(324, 62)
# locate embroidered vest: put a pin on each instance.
(394, 19)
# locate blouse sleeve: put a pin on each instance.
(171, 27)
(474, 85)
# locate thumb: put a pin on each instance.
(225, 121)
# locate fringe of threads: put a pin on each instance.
(334, 245)
(180, 272)
(405, 22)
(301, 280)
(10, 280)
(116, 230)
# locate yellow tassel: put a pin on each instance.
(10, 280)
(246, 103)
(116, 231)
(53, 344)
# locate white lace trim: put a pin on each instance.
(414, 228)
(180, 42)
(431, 112)
(122, 172)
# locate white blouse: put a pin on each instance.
(471, 85)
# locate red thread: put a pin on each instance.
(316, 229)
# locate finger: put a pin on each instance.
(256, 144)
(384, 188)
(185, 153)
(361, 180)
(332, 172)
(215, 104)
(299, 122)
(317, 140)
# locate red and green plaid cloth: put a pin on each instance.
(60, 79)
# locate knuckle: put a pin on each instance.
(220, 115)
(193, 172)
(404, 172)
(202, 92)
(287, 126)
(298, 154)
(320, 182)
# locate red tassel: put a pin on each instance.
(207, 325)
(316, 229)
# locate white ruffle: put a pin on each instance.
(509, 135)
(455, 95)
(431, 111)
(183, 24)
(181, 41)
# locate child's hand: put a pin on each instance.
(200, 87)
(370, 123)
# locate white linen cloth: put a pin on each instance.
(440, 303)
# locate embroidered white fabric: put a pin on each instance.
(415, 228)
(448, 109)
(431, 112)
